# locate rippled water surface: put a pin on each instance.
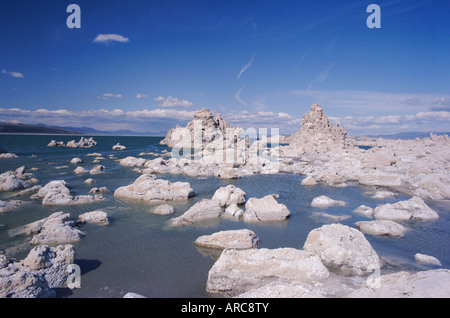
(139, 253)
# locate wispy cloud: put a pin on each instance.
(109, 38)
(173, 102)
(322, 76)
(107, 96)
(238, 96)
(246, 66)
(139, 95)
(13, 74)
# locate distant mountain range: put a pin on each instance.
(55, 130)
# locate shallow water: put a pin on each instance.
(139, 253)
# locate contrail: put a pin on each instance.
(246, 66)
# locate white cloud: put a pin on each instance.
(13, 74)
(107, 96)
(139, 95)
(109, 38)
(173, 102)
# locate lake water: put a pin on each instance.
(139, 253)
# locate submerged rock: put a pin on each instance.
(163, 209)
(7, 206)
(427, 259)
(324, 202)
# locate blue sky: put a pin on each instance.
(258, 63)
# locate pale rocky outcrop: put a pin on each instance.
(317, 133)
(132, 162)
(342, 249)
(51, 262)
(148, 188)
(96, 217)
(229, 195)
(56, 229)
(209, 130)
(412, 209)
(364, 210)
(384, 227)
(309, 181)
(76, 160)
(265, 209)
(418, 167)
(16, 180)
(57, 193)
(204, 210)
(233, 211)
(236, 239)
(424, 284)
(34, 277)
(238, 271)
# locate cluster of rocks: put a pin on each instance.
(36, 276)
(335, 261)
(56, 192)
(226, 202)
(17, 180)
(46, 267)
(82, 143)
(417, 167)
(208, 146)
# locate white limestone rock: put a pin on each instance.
(150, 189)
(236, 239)
(203, 210)
(412, 209)
(384, 227)
(96, 217)
(239, 271)
(343, 249)
(424, 284)
(265, 209)
(229, 195)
